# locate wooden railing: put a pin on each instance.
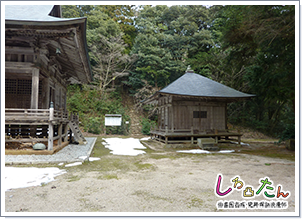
(34, 115)
(191, 131)
(164, 134)
(53, 123)
(74, 117)
(60, 115)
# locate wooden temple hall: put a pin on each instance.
(43, 54)
(193, 107)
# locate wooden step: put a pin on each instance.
(77, 133)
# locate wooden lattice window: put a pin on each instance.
(29, 58)
(19, 58)
(10, 86)
(200, 114)
(24, 87)
(14, 57)
(20, 86)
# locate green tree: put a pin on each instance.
(260, 41)
(71, 11)
(111, 61)
(124, 16)
(166, 37)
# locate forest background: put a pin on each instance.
(137, 50)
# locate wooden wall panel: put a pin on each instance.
(202, 124)
(183, 116)
(219, 118)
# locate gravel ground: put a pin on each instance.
(70, 153)
(157, 182)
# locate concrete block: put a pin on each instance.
(207, 144)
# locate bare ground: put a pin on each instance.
(159, 181)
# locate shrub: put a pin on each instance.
(92, 106)
(94, 125)
(146, 125)
(288, 132)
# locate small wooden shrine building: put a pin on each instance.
(193, 107)
(43, 54)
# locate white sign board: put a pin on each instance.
(113, 120)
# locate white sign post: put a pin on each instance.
(113, 120)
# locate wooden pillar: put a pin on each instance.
(64, 100)
(172, 118)
(51, 127)
(34, 97)
(190, 111)
(226, 116)
(60, 98)
(200, 119)
(160, 118)
(45, 93)
(35, 88)
(211, 117)
(192, 137)
(239, 140)
(166, 116)
(66, 132)
(60, 134)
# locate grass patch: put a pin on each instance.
(271, 152)
(99, 150)
(108, 177)
(146, 195)
(183, 188)
(144, 166)
(108, 161)
(73, 178)
(266, 150)
(195, 202)
(161, 156)
(117, 163)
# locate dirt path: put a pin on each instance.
(159, 181)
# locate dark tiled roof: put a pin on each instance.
(192, 84)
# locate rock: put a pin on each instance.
(39, 146)
(290, 144)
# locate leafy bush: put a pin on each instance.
(91, 105)
(288, 132)
(146, 125)
(75, 103)
(289, 128)
(94, 125)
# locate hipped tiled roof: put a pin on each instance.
(192, 84)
